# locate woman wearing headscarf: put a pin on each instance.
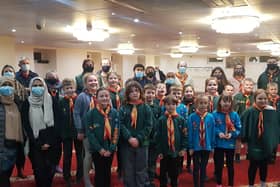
(10, 130)
(38, 122)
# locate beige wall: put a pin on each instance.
(7, 50)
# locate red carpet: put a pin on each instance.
(185, 178)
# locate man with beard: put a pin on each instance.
(238, 77)
(271, 74)
(88, 66)
(106, 67)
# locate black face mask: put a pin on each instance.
(150, 74)
(272, 66)
(51, 81)
(106, 69)
(238, 72)
(88, 69)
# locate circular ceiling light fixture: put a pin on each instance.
(126, 49)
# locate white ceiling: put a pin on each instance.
(155, 33)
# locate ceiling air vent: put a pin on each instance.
(224, 3)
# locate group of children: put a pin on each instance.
(149, 124)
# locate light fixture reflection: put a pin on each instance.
(125, 49)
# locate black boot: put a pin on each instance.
(237, 158)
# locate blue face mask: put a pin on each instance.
(139, 74)
(182, 70)
(6, 90)
(9, 74)
(170, 81)
(38, 91)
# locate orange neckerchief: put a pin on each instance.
(92, 102)
(201, 128)
(161, 103)
(134, 112)
(229, 125)
(247, 102)
(182, 78)
(107, 126)
(71, 101)
(274, 100)
(260, 120)
(170, 129)
(116, 91)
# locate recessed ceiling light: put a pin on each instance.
(14, 30)
(132, 35)
(89, 43)
(136, 20)
(180, 33)
(113, 13)
(22, 41)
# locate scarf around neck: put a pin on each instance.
(170, 129)
(134, 112)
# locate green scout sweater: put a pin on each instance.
(260, 148)
(66, 121)
(143, 127)
(263, 79)
(240, 102)
(180, 133)
(156, 111)
(113, 99)
(94, 124)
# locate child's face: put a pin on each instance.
(261, 100)
(248, 86)
(161, 89)
(149, 95)
(177, 94)
(92, 83)
(170, 107)
(228, 90)
(103, 98)
(225, 105)
(113, 80)
(134, 95)
(212, 87)
(69, 90)
(202, 104)
(188, 92)
(272, 90)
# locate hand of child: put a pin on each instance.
(160, 156)
(182, 153)
(222, 135)
(45, 147)
(133, 142)
(228, 136)
(80, 136)
(191, 152)
(102, 152)
(107, 154)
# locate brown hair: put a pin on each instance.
(149, 87)
(170, 99)
(68, 82)
(199, 98)
(225, 98)
(258, 92)
(210, 79)
(176, 88)
(128, 89)
(101, 89)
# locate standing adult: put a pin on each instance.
(238, 77)
(10, 130)
(24, 75)
(38, 123)
(182, 75)
(139, 76)
(106, 67)
(219, 73)
(271, 74)
(88, 67)
(154, 75)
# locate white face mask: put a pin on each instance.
(25, 67)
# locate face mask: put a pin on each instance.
(6, 90)
(38, 91)
(139, 74)
(182, 70)
(151, 74)
(51, 81)
(88, 69)
(106, 68)
(9, 74)
(238, 72)
(170, 81)
(25, 67)
(272, 66)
